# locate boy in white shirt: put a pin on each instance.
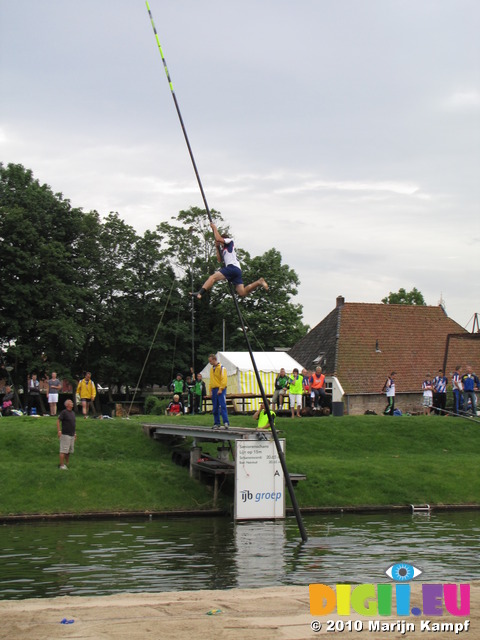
(231, 271)
(427, 386)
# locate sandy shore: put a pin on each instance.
(243, 614)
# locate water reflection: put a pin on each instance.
(260, 553)
(98, 558)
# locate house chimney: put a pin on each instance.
(340, 301)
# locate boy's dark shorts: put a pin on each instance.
(232, 274)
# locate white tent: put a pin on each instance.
(241, 376)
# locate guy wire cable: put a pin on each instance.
(151, 347)
(281, 455)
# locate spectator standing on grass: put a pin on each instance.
(427, 387)
(66, 423)
(457, 387)
(295, 388)
(199, 393)
(308, 395)
(54, 388)
(469, 382)
(33, 395)
(189, 385)
(87, 392)
(178, 385)
(389, 388)
(218, 391)
(440, 393)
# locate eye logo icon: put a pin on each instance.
(403, 572)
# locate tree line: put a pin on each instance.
(79, 292)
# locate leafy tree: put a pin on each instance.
(273, 319)
(77, 293)
(403, 297)
(41, 274)
(128, 290)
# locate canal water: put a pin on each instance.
(113, 556)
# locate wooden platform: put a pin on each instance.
(203, 434)
(202, 463)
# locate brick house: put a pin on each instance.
(361, 343)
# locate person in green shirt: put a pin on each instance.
(178, 386)
(262, 417)
(296, 392)
(199, 392)
(281, 388)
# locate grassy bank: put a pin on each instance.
(353, 460)
(115, 467)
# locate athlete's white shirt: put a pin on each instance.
(229, 255)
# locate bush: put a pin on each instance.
(155, 406)
(150, 405)
(161, 406)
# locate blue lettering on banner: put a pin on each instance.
(275, 496)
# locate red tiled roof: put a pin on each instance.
(461, 350)
(362, 343)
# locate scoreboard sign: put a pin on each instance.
(259, 480)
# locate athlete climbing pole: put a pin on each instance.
(261, 283)
(231, 270)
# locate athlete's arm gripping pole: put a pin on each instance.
(179, 115)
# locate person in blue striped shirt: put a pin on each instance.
(440, 393)
(457, 387)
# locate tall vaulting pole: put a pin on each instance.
(179, 115)
(280, 453)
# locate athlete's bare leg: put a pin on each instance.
(244, 291)
(208, 284)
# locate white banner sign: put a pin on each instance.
(259, 480)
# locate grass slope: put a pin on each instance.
(352, 460)
(384, 460)
(115, 467)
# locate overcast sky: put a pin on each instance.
(344, 133)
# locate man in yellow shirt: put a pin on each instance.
(87, 392)
(218, 391)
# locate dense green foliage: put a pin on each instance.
(84, 293)
(405, 297)
(155, 406)
(348, 461)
